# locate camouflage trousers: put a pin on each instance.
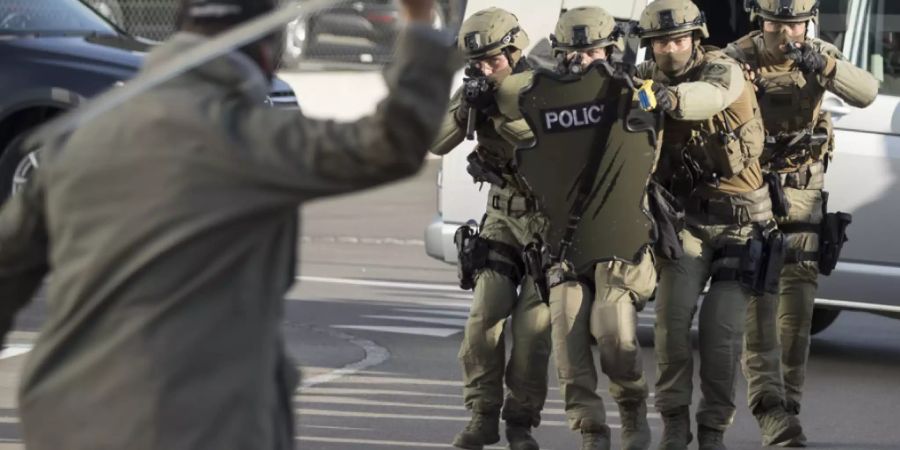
(787, 319)
(607, 316)
(497, 298)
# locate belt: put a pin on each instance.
(809, 176)
(513, 203)
(739, 209)
(794, 256)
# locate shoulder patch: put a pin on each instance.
(717, 73)
(716, 69)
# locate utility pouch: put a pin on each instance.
(472, 255)
(780, 203)
(831, 240)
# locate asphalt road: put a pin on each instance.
(375, 325)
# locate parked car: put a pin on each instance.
(56, 54)
(863, 179)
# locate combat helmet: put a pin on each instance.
(489, 32)
(668, 17)
(783, 10)
(586, 28)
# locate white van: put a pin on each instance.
(863, 179)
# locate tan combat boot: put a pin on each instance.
(594, 436)
(635, 429)
(676, 429)
(778, 426)
(710, 438)
(483, 429)
(518, 435)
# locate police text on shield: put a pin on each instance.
(569, 118)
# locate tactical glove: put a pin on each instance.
(809, 60)
(665, 98)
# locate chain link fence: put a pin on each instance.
(152, 19)
(350, 32)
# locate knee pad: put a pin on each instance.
(614, 326)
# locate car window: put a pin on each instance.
(50, 16)
(868, 31)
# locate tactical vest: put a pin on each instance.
(790, 102)
(492, 146)
(719, 148)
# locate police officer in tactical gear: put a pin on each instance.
(171, 259)
(709, 163)
(792, 72)
(493, 42)
(620, 289)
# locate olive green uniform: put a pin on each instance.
(791, 103)
(728, 206)
(608, 317)
(512, 218)
(170, 224)
(605, 311)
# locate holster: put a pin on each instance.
(472, 254)
(780, 203)
(832, 237)
(482, 172)
(473, 257)
(773, 263)
(759, 266)
(536, 256)
(668, 219)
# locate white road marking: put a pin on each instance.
(326, 427)
(434, 320)
(462, 304)
(391, 444)
(363, 379)
(387, 284)
(372, 415)
(435, 312)
(359, 401)
(375, 355)
(418, 331)
(372, 392)
(14, 350)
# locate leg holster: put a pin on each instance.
(474, 252)
(759, 263)
(831, 240)
(536, 256)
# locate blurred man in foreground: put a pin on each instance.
(170, 225)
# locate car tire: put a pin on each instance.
(11, 162)
(822, 318)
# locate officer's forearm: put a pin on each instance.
(449, 136)
(516, 132)
(700, 100)
(854, 85)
